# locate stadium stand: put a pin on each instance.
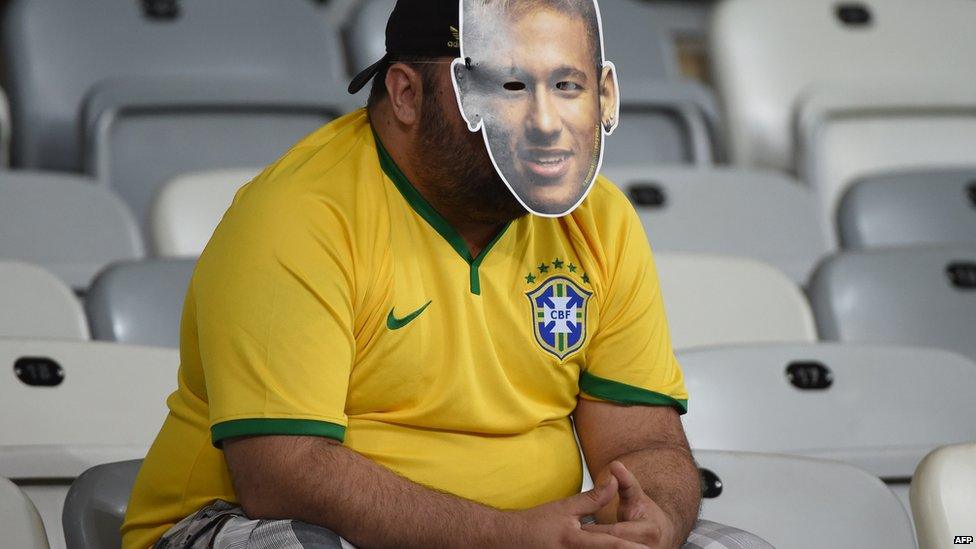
(802, 503)
(762, 215)
(85, 403)
(915, 207)
(252, 53)
(832, 401)
(943, 498)
(188, 208)
(35, 303)
(714, 300)
(911, 296)
(139, 302)
(19, 521)
(764, 58)
(96, 504)
(64, 223)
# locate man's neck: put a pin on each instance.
(395, 140)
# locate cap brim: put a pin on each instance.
(366, 75)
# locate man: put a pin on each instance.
(379, 344)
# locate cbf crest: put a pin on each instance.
(559, 315)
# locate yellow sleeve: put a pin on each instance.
(630, 360)
(274, 309)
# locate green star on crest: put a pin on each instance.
(557, 263)
(586, 279)
(543, 268)
(572, 268)
(529, 278)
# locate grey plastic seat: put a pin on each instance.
(64, 223)
(935, 206)
(19, 521)
(140, 303)
(924, 296)
(96, 504)
(263, 58)
(763, 215)
(802, 503)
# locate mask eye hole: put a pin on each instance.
(514, 86)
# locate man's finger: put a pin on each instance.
(591, 501)
(630, 492)
(641, 532)
(600, 540)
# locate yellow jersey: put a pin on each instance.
(333, 300)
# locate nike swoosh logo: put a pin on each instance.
(394, 323)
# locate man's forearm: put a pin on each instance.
(356, 498)
(669, 476)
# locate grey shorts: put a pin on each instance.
(222, 525)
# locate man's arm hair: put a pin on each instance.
(319, 481)
(651, 443)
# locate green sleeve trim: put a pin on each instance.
(621, 393)
(268, 426)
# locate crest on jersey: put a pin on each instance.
(559, 315)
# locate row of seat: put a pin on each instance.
(64, 410)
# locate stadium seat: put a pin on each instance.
(851, 130)
(715, 300)
(765, 58)
(4, 130)
(802, 503)
(64, 223)
(35, 303)
(96, 504)
(762, 215)
(246, 72)
(364, 36)
(74, 405)
(912, 296)
(140, 302)
(909, 208)
(832, 401)
(19, 521)
(186, 210)
(943, 497)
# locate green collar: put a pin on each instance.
(434, 219)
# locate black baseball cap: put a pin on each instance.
(426, 28)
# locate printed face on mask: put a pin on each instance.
(536, 85)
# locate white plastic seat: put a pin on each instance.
(765, 58)
(108, 404)
(944, 498)
(35, 303)
(19, 521)
(804, 503)
(758, 214)
(65, 223)
(187, 209)
(4, 130)
(715, 300)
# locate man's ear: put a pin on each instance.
(609, 98)
(405, 89)
(461, 78)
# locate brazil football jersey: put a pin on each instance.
(334, 301)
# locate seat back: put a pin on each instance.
(35, 303)
(238, 45)
(757, 214)
(187, 209)
(19, 521)
(765, 58)
(912, 296)
(66, 224)
(69, 406)
(831, 401)
(4, 130)
(96, 504)
(364, 34)
(140, 303)
(943, 498)
(909, 208)
(715, 300)
(802, 503)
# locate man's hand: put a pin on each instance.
(557, 524)
(639, 518)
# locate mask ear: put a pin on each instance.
(609, 98)
(461, 78)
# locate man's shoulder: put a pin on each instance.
(606, 207)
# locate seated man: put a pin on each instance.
(380, 347)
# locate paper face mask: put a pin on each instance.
(533, 80)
